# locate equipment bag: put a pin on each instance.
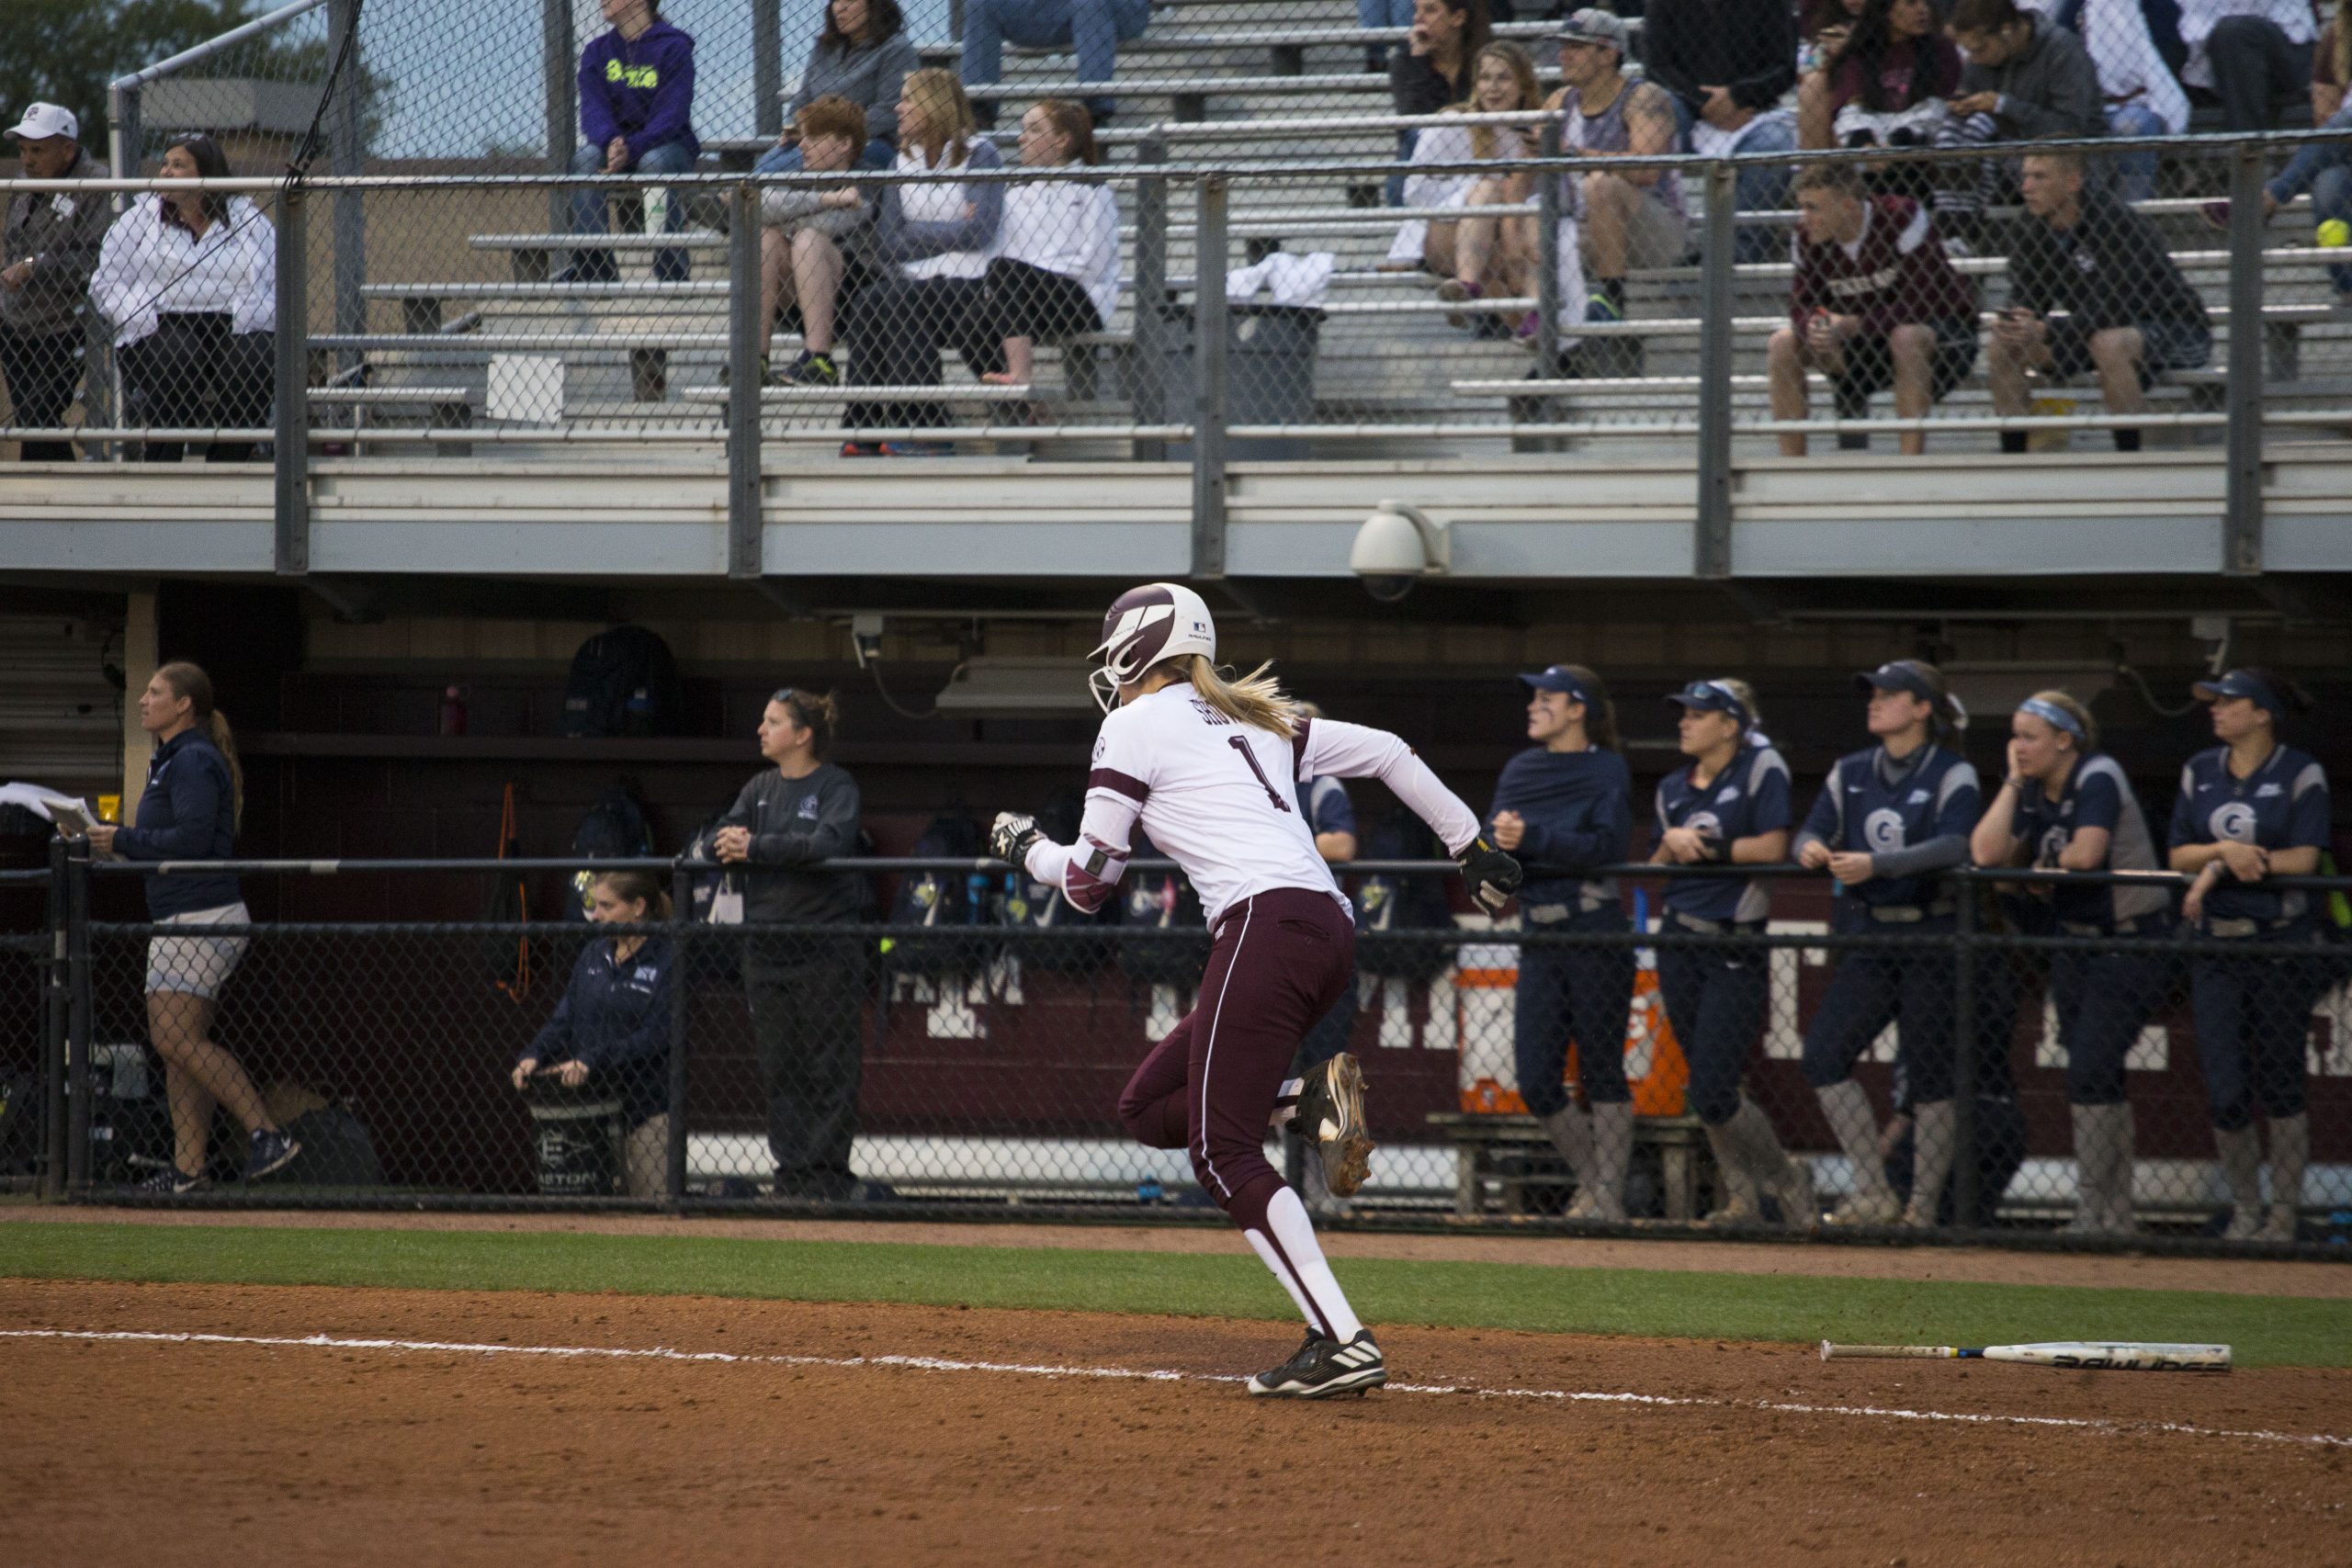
(623, 682)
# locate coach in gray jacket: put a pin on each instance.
(48, 248)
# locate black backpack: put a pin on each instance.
(1388, 904)
(1161, 901)
(623, 682)
(938, 910)
(613, 829)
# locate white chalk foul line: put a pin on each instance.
(1133, 1375)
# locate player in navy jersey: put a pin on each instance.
(1888, 818)
(1565, 807)
(1210, 766)
(2252, 808)
(1728, 806)
(2065, 805)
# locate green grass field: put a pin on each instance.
(2265, 1330)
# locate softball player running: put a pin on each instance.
(1210, 767)
(2065, 805)
(1728, 806)
(1885, 819)
(2252, 808)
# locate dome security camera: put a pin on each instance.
(1397, 546)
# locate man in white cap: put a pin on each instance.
(48, 247)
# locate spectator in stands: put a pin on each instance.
(1476, 255)
(1055, 273)
(863, 56)
(1728, 65)
(1635, 218)
(811, 251)
(1823, 28)
(1875, 303)
(2027, 80)
(1727, 806)
(613, 1024)
(49, 246)
(2322, 168)
(1886, 84)
(2252, 54)
(2250, 809)
(1094, 28)
(804, 991)
(933, 240)
(1436, 66)
(195, 795)
(2091, 288)
(1565, 808)
(2140, 96)
(637, 101)
(189, 280)
(2064, 804)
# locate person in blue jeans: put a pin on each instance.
(1382, 14)
(1566, 803)
(636, 99)
(2324, 169)
(1095, 28)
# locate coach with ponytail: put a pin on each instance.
(804, 989)
(195, 795)
(1888, 818)
(1565, 808)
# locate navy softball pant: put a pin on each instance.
(1580, 996)
(2253, 1028)
(1279, 962)
(2104, 999)
(1912, 988)
(1715, 998)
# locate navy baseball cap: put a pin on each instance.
(1899, 675)
(1556, 678)
(2241, 683)
(1710, 696)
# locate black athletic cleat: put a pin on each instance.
(1331, 1116)
(1325, 1369)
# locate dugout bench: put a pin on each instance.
(1510, 1153)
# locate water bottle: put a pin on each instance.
(657, 210)
(1148, 1191)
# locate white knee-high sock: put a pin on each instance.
(1288, 1247)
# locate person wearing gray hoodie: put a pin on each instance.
(2027, 80)
(48, 247)
(863, 55)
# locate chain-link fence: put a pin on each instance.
(32, 1033)
(961, 1047)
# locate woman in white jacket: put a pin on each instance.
(1056, 270)
(189, 281)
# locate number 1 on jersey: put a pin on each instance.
(1241, 744)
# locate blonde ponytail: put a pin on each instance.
(1255, 699)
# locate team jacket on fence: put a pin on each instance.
(2096, 794)
(1579, 807)
(1748, 798)
(2109, 269)
(1896, 273)
(2283, 805)
(613, 1014)
(640, 89)
(1911, 816)
(793, 823)
(188, 812)
(1220, 799)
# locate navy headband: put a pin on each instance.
(2051, 713)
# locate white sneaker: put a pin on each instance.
(1871, 1206)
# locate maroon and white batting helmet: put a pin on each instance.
(1159, 620)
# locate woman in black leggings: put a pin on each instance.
(1058, 273)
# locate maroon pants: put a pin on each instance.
(1280, 961)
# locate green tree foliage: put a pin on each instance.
(65, 51)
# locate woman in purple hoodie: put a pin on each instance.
(637, 100)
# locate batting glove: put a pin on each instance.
(1493, 875)
(1010, 836)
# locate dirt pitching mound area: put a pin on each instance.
(156, 1425)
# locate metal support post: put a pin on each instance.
(348, 154)
(1147, 374)
(1547, 258)
(681, 969)
(1963, 1075)
(1211, 330)
(2241, 507)
(767, 67)
(56, 991)
(1712, 545)
(559, 65)
(77, 1016)
(745, 335)
(291, 503)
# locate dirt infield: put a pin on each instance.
(162, 1453)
